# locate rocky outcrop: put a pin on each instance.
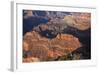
(52, 28)
(30, 59)
(81, 21)
(40, 48)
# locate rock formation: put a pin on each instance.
(40, 48)
(81, 21)
(50, 35)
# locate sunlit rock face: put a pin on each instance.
(40, 48)
(30, 59)
(81, 21)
